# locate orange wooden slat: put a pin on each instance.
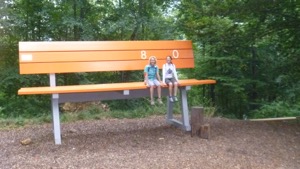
(69, 67)
(102, 45)
(101, 55)
(102, 87)
(192, 82)
(83, 88)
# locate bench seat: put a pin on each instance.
(101, 87)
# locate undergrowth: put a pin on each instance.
(91, 113)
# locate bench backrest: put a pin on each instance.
(94, 56)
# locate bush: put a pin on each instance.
(13, 105)
(277, 109)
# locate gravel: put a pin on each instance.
(152, 143)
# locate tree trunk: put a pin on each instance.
(197, 119)
(253, 94)
(75, 27)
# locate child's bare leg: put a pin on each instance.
(170, 89)
(175, 88)
(151, 93)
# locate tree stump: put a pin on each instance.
(205, 131)
(197, 123)
(197, 119)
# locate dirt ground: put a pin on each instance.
(151, 143)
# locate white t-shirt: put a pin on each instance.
(169, 71)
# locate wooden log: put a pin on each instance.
(205, 131)
(274, 119)
(197, 118)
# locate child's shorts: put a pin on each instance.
(154, 82)
(170, 80)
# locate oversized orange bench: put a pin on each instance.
(72, 57)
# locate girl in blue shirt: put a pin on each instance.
(152, 79)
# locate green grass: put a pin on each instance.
(15, 122)
(92, 113)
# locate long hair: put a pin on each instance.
(170, 58)
(151, 58)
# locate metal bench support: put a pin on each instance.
(56, 119)
(55, 112)
(185, 124)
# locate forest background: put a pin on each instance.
(251, 47)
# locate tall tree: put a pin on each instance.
(249, 47)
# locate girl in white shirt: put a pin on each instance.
(170, 78)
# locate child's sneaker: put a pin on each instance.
(175, 99)
(171, 99)
(159, 101)
(152, 103)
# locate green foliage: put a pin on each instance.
(28, 20)
(92, 113)
(250, 47)
(277, 109)
(137, 108)
(14, 105)
(126, 104)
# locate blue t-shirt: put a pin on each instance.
(151, 71)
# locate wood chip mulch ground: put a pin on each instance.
(152, 143)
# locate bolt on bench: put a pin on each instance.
(97, 56)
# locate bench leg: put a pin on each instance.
(170, 118)
(185, 110)
(185, 124)
(169, 109)
(56, 119)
